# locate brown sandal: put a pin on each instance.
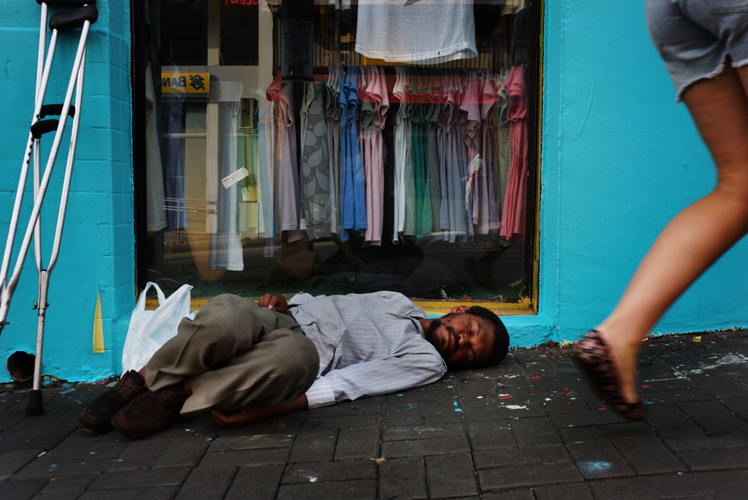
(592, 355)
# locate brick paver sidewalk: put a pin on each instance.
(527, 429)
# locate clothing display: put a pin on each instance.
(405, 135)
(452, 140)
(459, 146)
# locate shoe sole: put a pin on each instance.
(93, 429)
(135, 434)
(594, 373)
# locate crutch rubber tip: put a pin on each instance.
(35, 403)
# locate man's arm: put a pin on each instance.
(375, 377)
(245, 415)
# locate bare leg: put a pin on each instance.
(698, 235)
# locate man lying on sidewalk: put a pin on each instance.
(249, 361)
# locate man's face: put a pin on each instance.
(462, 339)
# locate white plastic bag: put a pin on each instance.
(149, 330)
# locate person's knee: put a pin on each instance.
(303, 353)
(293, 351)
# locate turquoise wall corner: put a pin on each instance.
(98, 244)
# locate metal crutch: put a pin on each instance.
(80, 18)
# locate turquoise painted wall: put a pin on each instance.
(98, 244)
(619, 159)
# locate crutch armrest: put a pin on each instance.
(66, 3)
(55, 110)
(74, 19)
(43, 126)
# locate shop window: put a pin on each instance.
(364, 146)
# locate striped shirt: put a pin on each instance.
(368, 344)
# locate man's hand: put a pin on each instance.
(237, 416)
(274, 302)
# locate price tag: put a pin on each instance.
(235, 177)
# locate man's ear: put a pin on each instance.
(459, 309)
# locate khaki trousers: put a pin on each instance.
(235, 352)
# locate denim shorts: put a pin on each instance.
(695, 37)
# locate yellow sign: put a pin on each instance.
(185, 83)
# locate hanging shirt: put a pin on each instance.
(471, 107)
(453, 207)
(247, 157)
(315, 163)
(156, 213)
(286, 192)
(352, 203)
(225, 244)
(513, 218)
(404, 188)
(419, 32)
(266, 158)
(462, 157)
(332, 115)
(504, 147)
(172, 158)
(421, 114)
(376, 94)
(488, 217)
(436, 150)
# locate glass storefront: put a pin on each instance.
(338, 146)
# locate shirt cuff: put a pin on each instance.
(320, 394)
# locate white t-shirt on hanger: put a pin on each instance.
(416, 31)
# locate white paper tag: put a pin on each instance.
(235, 177)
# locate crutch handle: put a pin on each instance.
(55, 110)
(43, 126)
(74, 19)
(66, 3)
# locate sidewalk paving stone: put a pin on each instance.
(314, 446)
(357, 444)
(402, 478)
(576, 491)
(533, 455)
(451, 475)
(528, 429)
(206, 482)
(648, 455)
(338, 490)
(255, 483)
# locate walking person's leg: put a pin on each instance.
(694, 239)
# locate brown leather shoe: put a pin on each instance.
(97, 416)
(150, 412)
